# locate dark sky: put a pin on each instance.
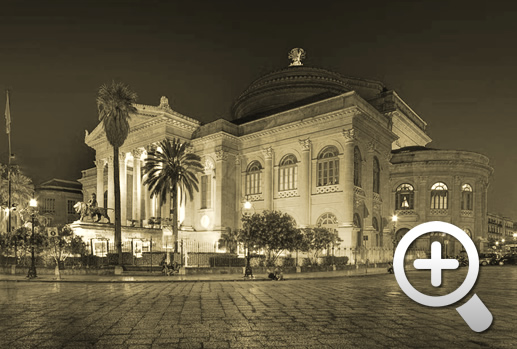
(454, 63)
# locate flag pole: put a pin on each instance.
(9, 203)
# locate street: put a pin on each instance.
(344, 312)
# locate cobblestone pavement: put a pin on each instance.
(357, 312)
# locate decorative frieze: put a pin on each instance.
(439, 212)
(256, 197)
(327, 189)
(405, 212)
(467, 213)
(288, 193)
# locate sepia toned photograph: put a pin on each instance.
(240, 174)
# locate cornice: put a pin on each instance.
(301, 123)
(214, 137)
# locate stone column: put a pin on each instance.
(304, 182)
(368, 189)
(221, 157)
(111, 190)
(137, 187)
(268, 178)
(147, 204)
(123, 188)
(347, 176)
(238, 190)
(100, 182)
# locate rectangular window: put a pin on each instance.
(49, 206)
(70, 207)
(206, 192)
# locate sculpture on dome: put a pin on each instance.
(296, 55)
(164, 102)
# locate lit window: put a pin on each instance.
(49, 205)
(439, 196)
(328, 166)
(288, 173)
(253, 178)
(466, 197)
(404, 197)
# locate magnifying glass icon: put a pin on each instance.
(474, 312)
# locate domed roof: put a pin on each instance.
(285, 89)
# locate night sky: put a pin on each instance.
(454, 63)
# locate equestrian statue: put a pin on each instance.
(90, 209)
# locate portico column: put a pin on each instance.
(304, 182)
(123, 188)
(268, 178)
(238, 189)
(100, 182)
(137, 186)
(111, 190)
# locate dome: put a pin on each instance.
(286, 89)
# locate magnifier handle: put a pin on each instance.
(476, 314)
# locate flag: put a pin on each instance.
(7, 116)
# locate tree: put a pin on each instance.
(272, 231)
(64, 244)
(114, 105)
(229, 239)
(21, 192)
(315, 239)
(170, 167)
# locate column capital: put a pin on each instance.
(109, 160)
(237, 160)
(268, 153)
(137, 153)
(349, 135)
(100, 163)
(221, 155)
(305, 144)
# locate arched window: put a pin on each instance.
(357, 167)
(439, 196)
(466, 197)
(375, 226)
(404, 197)
(328, 166)
(327, 220)
(376, 176)
(288, 173)
(253, 178)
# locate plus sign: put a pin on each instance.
(436, 264)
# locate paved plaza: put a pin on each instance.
(340, 312)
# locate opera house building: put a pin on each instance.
(331, 150)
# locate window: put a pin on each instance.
(439, 196)
(49, 205)
(357, 167)
(253, 178)
(288, 173)
(327, 220)
(105, 199)
(206, 191)
(358, 225)
(376, 175)
(404, 197)
(328, 166)
(466, 197)
(70, 206)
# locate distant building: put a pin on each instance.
(500, 228)
(330, 150)
(56, 200)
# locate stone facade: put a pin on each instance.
(56, 200)
(305, 141)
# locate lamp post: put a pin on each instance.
(32, 270)
(246, 212)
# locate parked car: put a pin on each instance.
(509, 259)
(489, 258)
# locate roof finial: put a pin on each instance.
(296, 55)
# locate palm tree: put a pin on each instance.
(114, 104)
(22, 190)
(169, 167)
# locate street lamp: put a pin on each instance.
(32, 270)
(246, 212)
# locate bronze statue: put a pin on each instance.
(91, 211)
